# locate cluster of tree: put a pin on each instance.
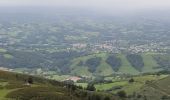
(53, 61)
(84, 80)
(81, 63)
(114, 62)
(131, 80)
(165, 97)
(122, 94)
(22, 59)
(137, 96)
(98, 97)
(100, 79)
(93, 63)
(136, 61)
(162, 72)
(91, 87)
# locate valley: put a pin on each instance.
(76, 55)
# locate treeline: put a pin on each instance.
(136, 61)
(93, 63)
(22, 59)
(114, 62)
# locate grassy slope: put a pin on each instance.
(11, 82)
(156, 89)
(149, 63)
(13, 85)
(140, 82)
(163, 85)
(126, 66)
(3, 93)
(130, 88)
(80, 70)
(104, 69)
(109, 85)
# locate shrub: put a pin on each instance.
(121, 94)
(107, 98)
(30, 80)
(90, 87)
(131, 80)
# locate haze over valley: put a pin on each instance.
(119, 48)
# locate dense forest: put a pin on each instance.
(136, 61)
(114, 62)
(93, 63)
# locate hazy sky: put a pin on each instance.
(93, 4)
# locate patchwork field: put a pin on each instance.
(130, 87)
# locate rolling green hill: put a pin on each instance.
(104, 69)
(82, 64)
(15, 86)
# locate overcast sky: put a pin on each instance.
(93, 4)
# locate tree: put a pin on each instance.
(121, 94)
(94, 97)
(165, 97)
(107, 98)
(73, 87)
(30, 80)
(93, 63)
(90, 87)
(131, 80)
(114, 62)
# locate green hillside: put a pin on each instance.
(150, 63)
(15, 86)
(140, 87)
(157, 90)
(126, 66)
(104, 69)
(82, 64)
